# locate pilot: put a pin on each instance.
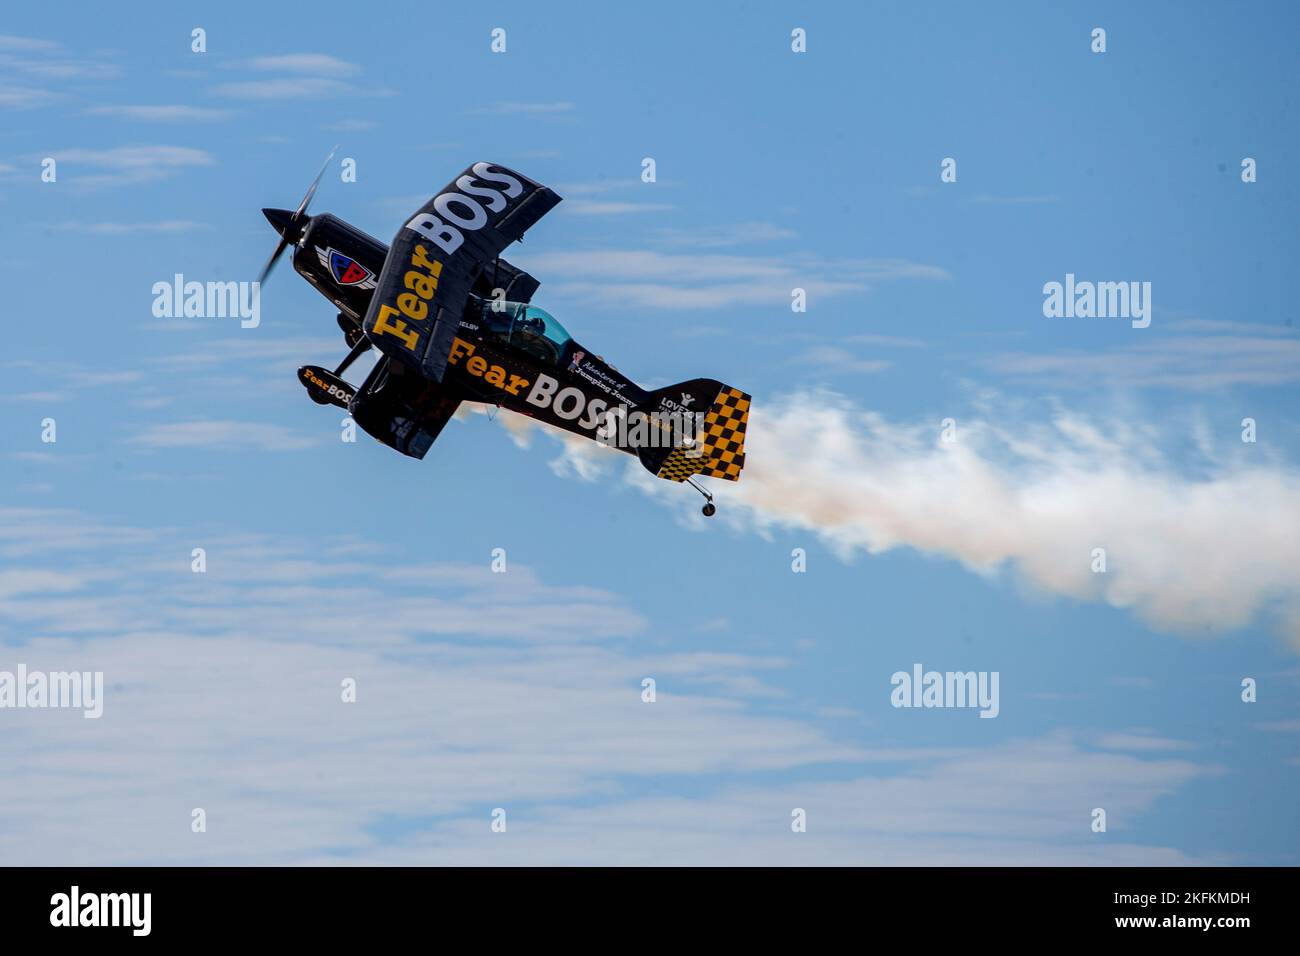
(530, 336)
(496, 321)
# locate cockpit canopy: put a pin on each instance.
(527, 328)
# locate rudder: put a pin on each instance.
(722, 432)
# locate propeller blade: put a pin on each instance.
(289, 224)
(306, 200)
(270, 263)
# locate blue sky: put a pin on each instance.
(522, 690)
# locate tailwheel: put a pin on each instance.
(709, 509)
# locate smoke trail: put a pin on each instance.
(1187, 547)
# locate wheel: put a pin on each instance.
(709, 510)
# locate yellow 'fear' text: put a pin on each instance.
(412, 305)
(479, 367)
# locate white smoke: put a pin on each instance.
(1189, 547)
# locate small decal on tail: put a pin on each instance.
(723, 437)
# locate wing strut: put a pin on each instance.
(362, 346)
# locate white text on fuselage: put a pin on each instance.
(616, 425)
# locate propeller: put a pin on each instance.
(290, 224)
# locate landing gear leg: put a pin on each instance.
(709, 509)
(362, 346)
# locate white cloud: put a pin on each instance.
(1281, 726)
(27, 44)
(717, 237)
(86, 378)
(536, 109)
(836, 359)
(163, 114)
(308, 74)
(223, 434)
(24, 97)
(41, 62)
(583, 207)
(474, 690)
(1141, 742)
(652, 279)
(129, 228)
(27, 534)
(38, 397)
(987, 199)
(129, 164)
(283, 88)
(885, 341)
(272, 354)
(318, 64)
(44, 60)
(350, 126)
(1197, 362)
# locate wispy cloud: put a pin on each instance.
(350, 126)
(535, 109)
(886, 341)
(1142, 742)
(990, 200)
(49, 69)
(130, 228)
(27, 44)
(32, 69)
(128, 164)
(587, 207)
(1154, 359)
(653, 279)
(71, 380)
(24, 97)
(163, 114)
(40, 397)
(91, 378)
(318, 64)
(718, 237)
(1280, 726)
(836, 359)
(283, 353)
(583, 198)
(224, 434)
(474, 681)
(282, 88)
(304, 75)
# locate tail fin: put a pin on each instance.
(720, 448)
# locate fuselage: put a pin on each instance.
(505, 353)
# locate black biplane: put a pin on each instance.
(454, 322)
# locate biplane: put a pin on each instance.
(454, 322)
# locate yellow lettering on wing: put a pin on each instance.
(397, 329)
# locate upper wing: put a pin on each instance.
(515, 284)
(436, 257)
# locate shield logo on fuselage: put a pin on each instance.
(346, 270)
